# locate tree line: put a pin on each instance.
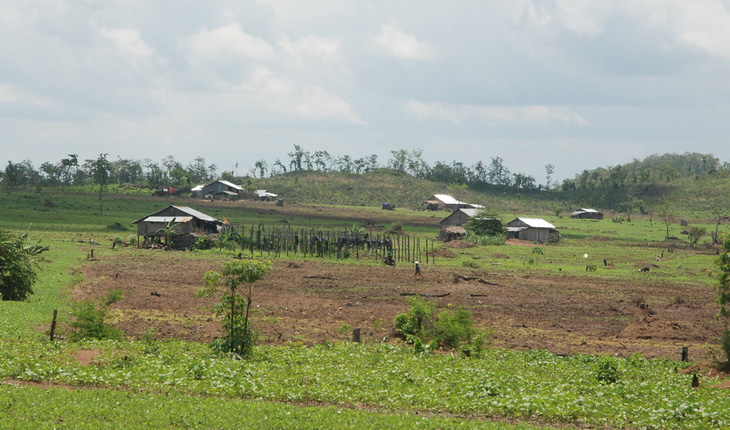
(404, 161)
(71, 171)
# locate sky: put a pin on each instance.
(575, 84)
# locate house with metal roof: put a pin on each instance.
(532, 229)
(441, 201)
(459, 217)
(584, 213)
(188, 224)
(265, 195)
(221, 189)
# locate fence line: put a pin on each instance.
(326, 243)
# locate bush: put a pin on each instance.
(454, 328)
(17, 266)
(91, 319)
(424, 329)
(607, 370)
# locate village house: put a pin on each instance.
(221, 189)
(265, 195)
(584, 213)
(459, 217)
(532, 229)
(445, 201)
(187, 223)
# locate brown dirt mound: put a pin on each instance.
(459, 244)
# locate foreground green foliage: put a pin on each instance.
(17, 266)
(645, 393)
(41, 408)
(723, 294)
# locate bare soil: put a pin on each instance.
(313, 301)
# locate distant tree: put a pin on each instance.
(280, 165)
(18, 264)
(13, 175)
(100, 172)
(296, 158)
(72, 162)
(695, 234)
(549, 170)
(497, 173)
(322, 160)
(485, 224)
(398, 160)
(262, 166)
(667, 217)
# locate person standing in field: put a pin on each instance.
(418, 269)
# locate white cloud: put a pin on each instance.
(128, 41)
(230, 40)
(583, 18)
(457, 114)
(7, 94)
(703, 24)
(399, 44)
(285, 96)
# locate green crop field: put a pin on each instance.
(176, 384)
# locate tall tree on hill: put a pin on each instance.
(549, 170)
(100, 173)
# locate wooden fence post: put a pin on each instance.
(53, 324)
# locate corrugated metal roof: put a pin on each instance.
(197, 188)
(264, 193)
(470, 212)
(230, 184)
(536, 223)
(196, 214)
(448, 200)
(166, 219)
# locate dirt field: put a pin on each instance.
(312, 302)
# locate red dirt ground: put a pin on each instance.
(313, 301)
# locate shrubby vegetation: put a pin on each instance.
(17, 266)
(426, 330)
(91, 319)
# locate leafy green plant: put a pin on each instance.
(454, 327)
(91, 319)
(418, 320)
(723, 294)
(424, 329)
(239, 334)
(17, 266)
(607, 370)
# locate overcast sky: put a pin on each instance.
(578, 84)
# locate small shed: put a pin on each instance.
(265, 195)
(197, 190)
(221, 189)
(188, 225)
(531, 229)
(459, 217)
(584, 213)
(441, 201)
(450, 233)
